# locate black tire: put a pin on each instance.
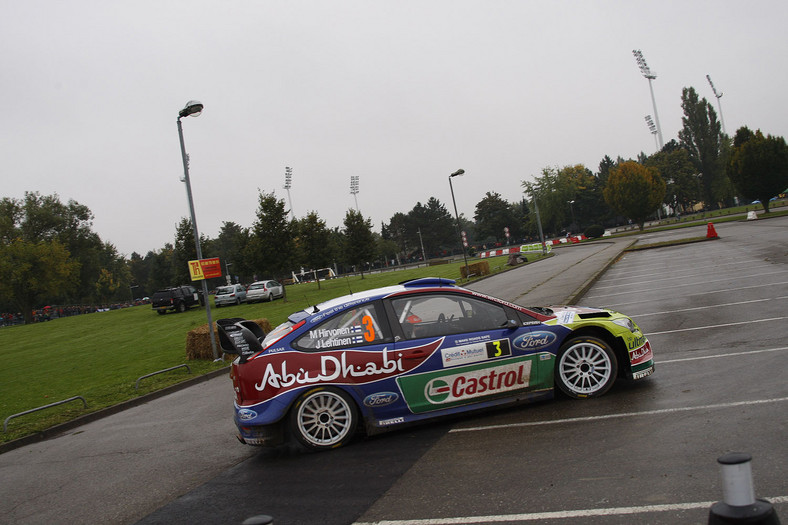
(585, 367)
(270, 297)
(237, 301)
(161, 312)
(323, 418)
(181, 307)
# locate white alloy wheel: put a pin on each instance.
(323, 418)
(585, 367)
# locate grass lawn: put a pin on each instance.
(100, 356)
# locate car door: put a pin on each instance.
(476, 360)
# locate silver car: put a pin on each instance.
(232, 294)
(264, 291)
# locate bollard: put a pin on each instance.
(738, 503)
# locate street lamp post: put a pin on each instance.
(421, 242)
(719, 104)
(572, 207)
(354, 188)
(193, 108)
(288, 185)
(457, 215)
(653, 129)
(650, 75)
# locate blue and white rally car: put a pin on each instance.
(419, 350)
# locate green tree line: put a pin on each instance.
(50, 255)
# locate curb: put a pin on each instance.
(580, 292)
(57, 430)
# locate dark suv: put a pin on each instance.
(178, 298)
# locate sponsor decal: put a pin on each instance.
(347, 336)
(642, 353)
(435, 390)
(534, 340)
(473, 353)
(565, 317)
(392, 421)
(245, 414)
(380, 399)
(282, 372)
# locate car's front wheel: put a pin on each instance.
(323, 418)
(585, 367)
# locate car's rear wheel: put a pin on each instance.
(161, 312)
(181, 307)
(323, 418)
(585, 367)
(270, 297)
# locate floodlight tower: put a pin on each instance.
(719, 104)
(288, 185)
(653, 129)
(650, 75)
(354, 188)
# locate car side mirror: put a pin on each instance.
(511, 324)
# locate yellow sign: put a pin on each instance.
(205, 269)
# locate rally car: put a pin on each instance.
(415, 351)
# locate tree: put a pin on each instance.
(702, 137)
(315, 249)
(556, 187)
(229, 247)
(678, 172)
(634, 190)
(34, 272)
(758, 165)
(271, 249)
(432, 220)
(359, 246)
(492, 215)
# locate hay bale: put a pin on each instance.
(198, 345)
(475, 269)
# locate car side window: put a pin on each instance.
(436, 315)
(351, 327)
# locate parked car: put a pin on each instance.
(176, 298)
(264, 291)
(232, 294)
(416, 351)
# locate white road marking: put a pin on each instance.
(621, 415)
(749, 352)
(713, 306)
(684, 285)
(650, 334)
(561, 514)
(726, 290)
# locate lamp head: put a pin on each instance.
(193, 108)
(456, 173)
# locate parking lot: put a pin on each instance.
(645, 453)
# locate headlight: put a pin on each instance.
(627, 323)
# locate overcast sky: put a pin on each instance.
(399, 93)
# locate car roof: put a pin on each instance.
(378, 293)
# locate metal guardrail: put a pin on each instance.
(5, 423)
(137, 384)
